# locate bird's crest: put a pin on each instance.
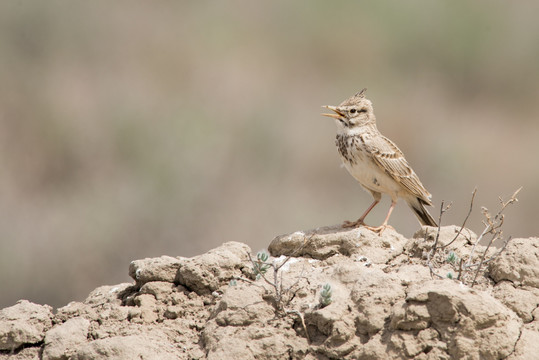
(361, 94)
(354, 99)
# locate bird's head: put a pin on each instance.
(354, 112)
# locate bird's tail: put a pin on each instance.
(418, 206)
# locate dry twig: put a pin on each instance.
(464, 222)
(493, 225)
(432, 251)
(302, 319)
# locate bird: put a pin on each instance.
(376, 162)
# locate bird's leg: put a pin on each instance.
(380, 229)
(359, 221)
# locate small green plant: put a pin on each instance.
(450, 275)
(233, 282)
(260, 267)
(452, 258)
(325, 295)
(282, 295)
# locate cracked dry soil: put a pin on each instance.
(385, 305)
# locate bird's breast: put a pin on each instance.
(350, 148)
(360, 164)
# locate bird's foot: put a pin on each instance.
(353, 224)
(379, 229)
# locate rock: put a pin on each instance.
(30, 353)
(75, 309)
(518, 299)
(518, 264)
(253, 342)
(148, 308)
(408, 274)
(126, 348)
(333, 328)
(62, 340)
(383, 305)
(423, 239)
(240, 305)
(374, 295)
(241, 328)
(411, 345)
(108, 294)
(475, 324)
(322, 243)
(162, 291)
(450, 233)
(527, 347)
(164, 268)
(24, 323)
(410, 316)
(206, 273)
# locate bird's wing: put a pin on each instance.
(389, 157)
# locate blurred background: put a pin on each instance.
(138, 129)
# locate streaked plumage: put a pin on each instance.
(375, 161)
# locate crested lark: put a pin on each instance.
(376, 162)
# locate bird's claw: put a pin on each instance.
(379, 229)
(353, 224)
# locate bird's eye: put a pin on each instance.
(352, 111)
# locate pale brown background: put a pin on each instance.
(137, 129)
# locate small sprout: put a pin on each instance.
(325, 295)
(233, 282)
(452, 258)
(450, 276)
(259, 266)
(262, 255)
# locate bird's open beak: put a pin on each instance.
(338, 114)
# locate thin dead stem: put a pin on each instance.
(464, 222)
(432, 251)
(459, 277)
(302, 319)
(493, 225)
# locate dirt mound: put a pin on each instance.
(381, 302)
